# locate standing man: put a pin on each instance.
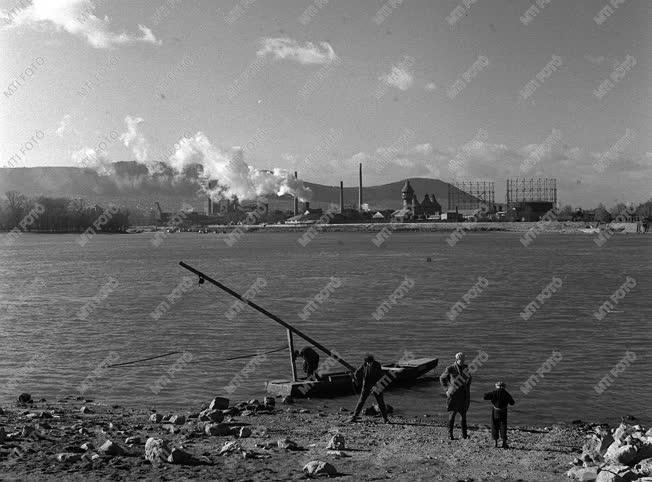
(456, 380)
(500, 399)
(368, 375)
(310, 361)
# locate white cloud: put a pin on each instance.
(431, 86)
(287, 48)
(63, 125)
(77, 18)
(135, 139)
(400, 77)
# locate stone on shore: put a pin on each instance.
(178, 419)
(644, 467)
(178, 456)
(287, 400)
(68, 457)
(287, 444)
(318, 468)
(620, 454)
(219, 403)
(87, 446)
(134, 440)
(156, 450)
(583, 474)
(269, 402)
(615, 473)
(211, 416)
(230, 447)
(244, 432)
(155, 417)
(86, 410)
(111, 448)
(217, 429)
(24, 398)
(336, 442)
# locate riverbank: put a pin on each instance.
(63, 440)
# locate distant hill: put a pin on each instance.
(141, 191)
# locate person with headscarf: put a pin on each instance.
(456, 380)
(310, 361)
(368, 377)
(500, 399)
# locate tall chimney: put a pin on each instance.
(341, 197)
(296, 199)
(360, 190)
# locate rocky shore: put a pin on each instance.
(272, 439)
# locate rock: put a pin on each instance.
(287, 400)
(134, 440)
(3, 434)
(166, 418)
(87, 446)
(230, 447)
(598, 444)
(68, 457)
(304, 410)
(178, 456)
(269, 402)
(24, 398)
(337, 442)
(253, 402)
(155, 417)
(217, 429)
(219, 403)
(338, 454)
(2, 412)
(85, 409)
(244, 432)
(621, 432)
(27, 431)
(287, 444)
(211, 416)
(45, 414)
(110, 448)
(644, 467)
(583, 474)
(615, 473)
(156, 450)
(317, 468)
(644, 452)
(620, 454)
(230, 411)
(178, 419)
(247, 413)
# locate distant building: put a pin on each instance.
(412, 209)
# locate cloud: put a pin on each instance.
(400, 77)
(135, 139)
(63, 125)
(287, 48)
(430, 86)
(77, 18)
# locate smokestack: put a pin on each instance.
(360, 190)
(341, 197)
(296, 199)
(306, 206)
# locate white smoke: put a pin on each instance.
(233, 175)
(135, 139)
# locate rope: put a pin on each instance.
(133, 362)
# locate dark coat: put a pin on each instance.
(368, 375)
(500, 398)
(310, 360)
(456, 380)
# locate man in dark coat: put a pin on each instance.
(310, 361)
(500, 399)
(456, 379)
(368, 377)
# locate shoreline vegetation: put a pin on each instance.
(75, 438)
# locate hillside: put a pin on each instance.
(140, 191)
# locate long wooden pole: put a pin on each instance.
(290, 328)
(292, 364)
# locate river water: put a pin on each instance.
(66, 311)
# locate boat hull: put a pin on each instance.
(340, 383)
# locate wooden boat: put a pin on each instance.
(404, 372)
(330, 384)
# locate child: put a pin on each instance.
(500, 398)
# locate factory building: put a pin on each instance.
(413, 210)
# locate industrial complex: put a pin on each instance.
(525, 200)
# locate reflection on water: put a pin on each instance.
(48, 349)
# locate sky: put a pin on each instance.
(454, 90)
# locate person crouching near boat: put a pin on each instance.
(310, 362)
(369, 377)
(456, 380)
(500, 399)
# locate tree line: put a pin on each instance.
(57, 215)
